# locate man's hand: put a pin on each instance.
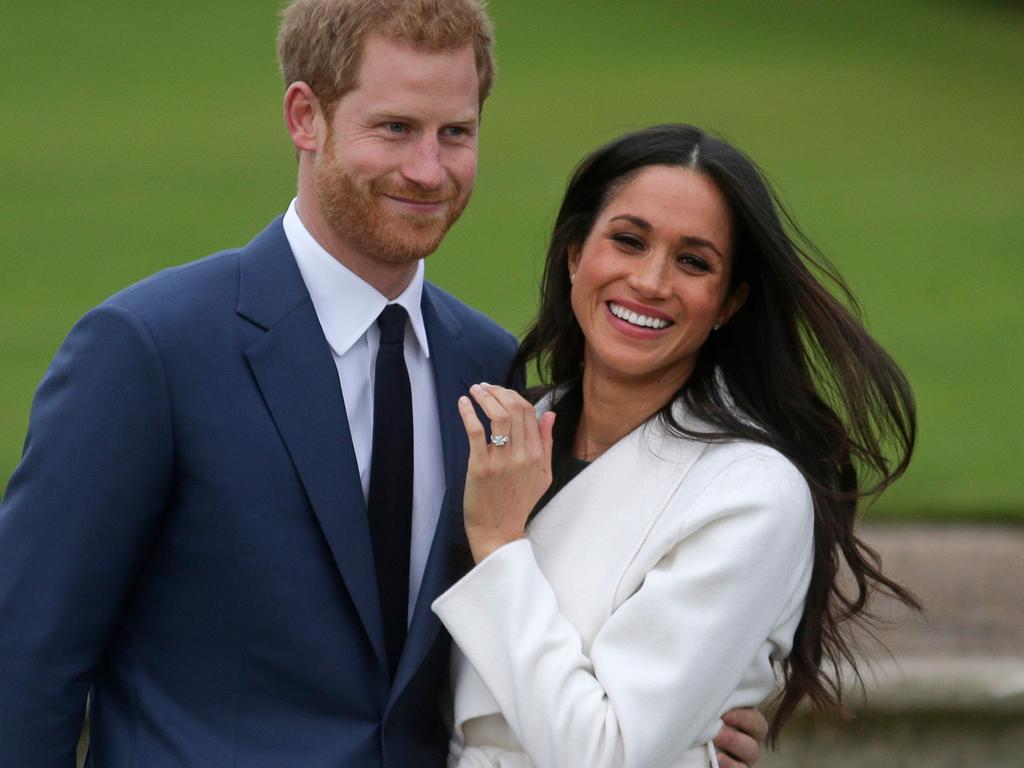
(739, 742)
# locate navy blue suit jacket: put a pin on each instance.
(186, 535)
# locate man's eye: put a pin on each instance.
(395, 127)
(458, 132)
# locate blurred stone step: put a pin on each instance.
(944, 684)
(894, 740)
(945, 689)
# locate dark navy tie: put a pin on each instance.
(390, 498)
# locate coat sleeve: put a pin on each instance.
(76, 521)
(661, 668)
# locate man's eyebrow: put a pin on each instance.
(691, 240)
(384, 115)
(467, 117)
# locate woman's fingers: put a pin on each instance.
(546, 430)
(474, 429)
(530, 439)
(501, 420)
(521, 416)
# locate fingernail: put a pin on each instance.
(463, 400)
(484, 384)
(475, 388)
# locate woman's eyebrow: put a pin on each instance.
(700, 242)
(635, 220)
(690, 240)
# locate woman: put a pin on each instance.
(719, 414)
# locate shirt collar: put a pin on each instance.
(345, 304)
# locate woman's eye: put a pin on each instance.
(690, 261)
(629, 241)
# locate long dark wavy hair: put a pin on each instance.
(800, 374)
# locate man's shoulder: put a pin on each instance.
(474, 324)
(181, 286)
(195, 289)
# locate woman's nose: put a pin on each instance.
(648, 276)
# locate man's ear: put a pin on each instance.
(303, 117)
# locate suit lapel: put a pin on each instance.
(295, 371)
(455, 368)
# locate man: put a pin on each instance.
(201, 530)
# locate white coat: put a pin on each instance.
(650, 596)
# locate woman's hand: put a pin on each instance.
(503, 482)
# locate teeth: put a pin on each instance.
(636, 319)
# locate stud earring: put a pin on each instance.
(572, 278)
(717, 326)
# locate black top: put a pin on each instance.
(564, 465)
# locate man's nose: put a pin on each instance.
(424, 167)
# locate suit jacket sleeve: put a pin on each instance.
(75, 524)
(661, 668)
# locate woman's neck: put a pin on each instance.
(614, 407)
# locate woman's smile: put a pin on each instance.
(637, 324)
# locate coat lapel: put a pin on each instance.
(295, 371)
(455, 369)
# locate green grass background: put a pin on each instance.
(137, 136)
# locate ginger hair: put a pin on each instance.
(320, 42)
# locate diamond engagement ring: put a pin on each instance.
(500, 440)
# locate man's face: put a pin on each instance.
(400, 156)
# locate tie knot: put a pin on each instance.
(392, 324)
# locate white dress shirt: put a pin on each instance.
(347, 308)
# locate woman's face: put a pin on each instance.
(652, 278)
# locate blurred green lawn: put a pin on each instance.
(137, 136)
